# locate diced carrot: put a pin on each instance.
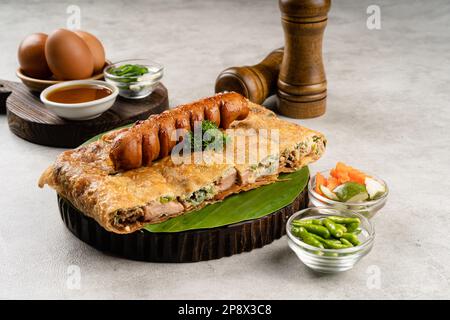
(332, 183)
(344, 173)
(357, 176)
(333, 173)
(342, 167)
(320, 181)
(343, 177)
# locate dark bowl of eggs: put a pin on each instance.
(63, 55)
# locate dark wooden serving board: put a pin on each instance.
(30, 120)
(186, 246)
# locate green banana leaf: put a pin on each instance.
(240, 207)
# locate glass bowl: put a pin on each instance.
(365, 208)
(330, 260)
(135, 87)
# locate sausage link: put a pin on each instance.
(154, 138)
(126, 152)
(197, 111)
(182, 122)
(166, 135)
(182, 119)
(231, 109)
(150, 144)
(212, 111)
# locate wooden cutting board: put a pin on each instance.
(30, 120)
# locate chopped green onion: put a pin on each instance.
(129, 70)
(201, 143)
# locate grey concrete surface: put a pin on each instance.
(388, 113)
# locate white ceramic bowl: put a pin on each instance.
(80, 111)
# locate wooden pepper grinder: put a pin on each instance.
(254, 82)
(302, 85)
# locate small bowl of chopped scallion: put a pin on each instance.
(136, 79)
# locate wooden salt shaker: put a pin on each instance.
(254, 82)
(302, 85)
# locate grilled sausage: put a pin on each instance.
(212, 112)
(182, 122)
(166, 134)
(127, 153)
(231, 110)
(182, 119)
(150, 144)
(197, 112)
(154, 138)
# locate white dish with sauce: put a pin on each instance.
(80, 99)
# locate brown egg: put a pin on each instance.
(97, 50)
(31, 56)
(68, 56)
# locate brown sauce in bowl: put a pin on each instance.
(78, 94)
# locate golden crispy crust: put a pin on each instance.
(87, 177)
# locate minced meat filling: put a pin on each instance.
(169, 205)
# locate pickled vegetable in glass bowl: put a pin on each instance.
(348, 188)
(136, 79)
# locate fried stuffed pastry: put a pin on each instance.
(125, 196)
